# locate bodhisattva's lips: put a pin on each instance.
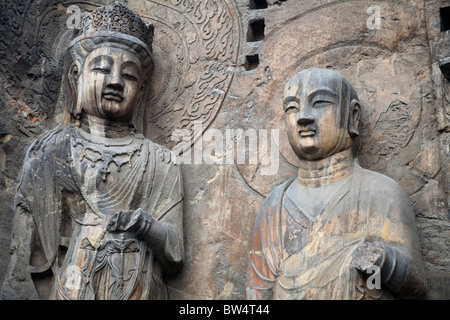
(113, 96)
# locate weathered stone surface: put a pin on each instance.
(394, 69)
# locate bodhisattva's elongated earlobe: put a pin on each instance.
(74, 75)
(142, 91)
(355, 116)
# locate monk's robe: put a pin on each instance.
(304, 238)
(71, 184)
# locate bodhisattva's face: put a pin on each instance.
(110, 83)
(314, 112)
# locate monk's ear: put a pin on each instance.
(355, 116)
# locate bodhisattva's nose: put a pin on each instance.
(115, 79)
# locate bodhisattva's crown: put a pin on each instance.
(117, 18)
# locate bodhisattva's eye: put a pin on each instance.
(129, 77)
(101, 70)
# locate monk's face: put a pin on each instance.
(315, 108)
(110, 82)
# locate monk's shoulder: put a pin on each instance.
(267, 218)
(380, 181)
(270, 208)
(275, 196)
(382, 188)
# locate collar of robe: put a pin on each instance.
(324, 171)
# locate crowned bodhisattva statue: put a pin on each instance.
(99, 208)
(336, 230)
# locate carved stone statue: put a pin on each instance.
(335, 229)
(99, 208)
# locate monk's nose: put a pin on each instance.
(305, 117)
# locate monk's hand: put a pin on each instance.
(367, 255)
(136, 221)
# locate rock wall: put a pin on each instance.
(220, 71)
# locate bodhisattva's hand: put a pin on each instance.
(137, 222)
(367, 255)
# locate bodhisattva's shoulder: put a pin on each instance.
(162, 154)
(50, 142)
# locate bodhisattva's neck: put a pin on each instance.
(324, 171)
(104, 128)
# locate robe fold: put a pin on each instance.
(295, 255)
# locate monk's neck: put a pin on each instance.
(103, 128)
(324, 171)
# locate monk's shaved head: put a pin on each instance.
(320, 113)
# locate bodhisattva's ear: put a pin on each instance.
(73, 97)
(142, 91)
(355, 117)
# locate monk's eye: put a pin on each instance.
(321, 103)
(291, 107)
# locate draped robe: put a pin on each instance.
(297, 255)
(70, 186)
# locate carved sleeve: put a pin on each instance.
(35, 236)
(166, 236)
(265, 252)
(166, 208)
(18, 283)
(402, 268)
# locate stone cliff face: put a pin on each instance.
(220, 71)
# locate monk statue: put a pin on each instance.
(99, 207)
(336, 230)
